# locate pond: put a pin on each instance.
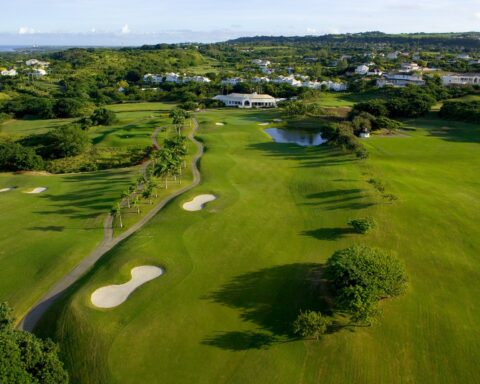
(302, 138)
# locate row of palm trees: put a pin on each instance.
(166, 163)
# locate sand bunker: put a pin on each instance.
(277, 120)
(198, 202)
(219, 123)
(37, 190)
(114, 295)
(263, 123)
(7, 189)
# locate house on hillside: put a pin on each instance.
(247, 100)
(38, 73)
(362, 70)
(393, 55)
(400, 80)
(461, 79)
(35, 63)
(232, 81)
(409, 67)
(9, 72)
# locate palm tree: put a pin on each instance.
(117, 212)
(126, 197)
(147, 193)
(136, 204)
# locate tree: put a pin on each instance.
(362, 276)
(310, 324)
(117, 212)
(70, 107)
(136, 204)
(103, 116)
(26, 359)
(178, 117)
(15, 157)
(65, 141)
(362, 225)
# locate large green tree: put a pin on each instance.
(26, 359)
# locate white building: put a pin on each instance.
(38, 72)
(409, 67)
(461, 79)
(362, 70)
(263, 79)
(35, 62)
(332, 86)
(154, 79)
(463, 56)
(393, 55)
(174, 78)
(244, 100)
(232, 81)
(9, 72)
(197, 79)
(399, 80)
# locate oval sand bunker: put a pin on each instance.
(114, 295)
(198, 202)
(7, 189)
(37, 190)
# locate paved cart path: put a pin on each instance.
(29, 322)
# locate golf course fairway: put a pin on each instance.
(238, 274)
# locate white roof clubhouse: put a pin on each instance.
(247, 100)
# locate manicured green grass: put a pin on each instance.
(27, 127)
(45, 235)
(238, 272)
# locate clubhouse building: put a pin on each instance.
(247, 100)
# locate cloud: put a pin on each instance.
(25, 31)
(311, 30)
(477, 15)
(125, 29)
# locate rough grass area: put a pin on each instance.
(239, 271)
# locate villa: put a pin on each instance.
(232, 81)
(399, 80)
(38, 73)
(174, 78)
(362, 70)
(247, 100)
(461, 79)
(35, 62)
(11, 72)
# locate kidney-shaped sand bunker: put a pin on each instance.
(113, 295)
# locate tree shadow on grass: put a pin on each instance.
(328, 233)
(271, 299)
(49, 228)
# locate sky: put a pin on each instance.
(136, 22)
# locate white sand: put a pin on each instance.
(263, 123)
(198, 202)
(6, 189)
(219, 123)
(277, 120)
(37, 190)
(114, 295)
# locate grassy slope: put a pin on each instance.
(239, 271)
(45, 235)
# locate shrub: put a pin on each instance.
(374, 107)
(310, 324)
(362, 225)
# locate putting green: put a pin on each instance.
(237, 279)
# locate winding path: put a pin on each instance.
(29, 322)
